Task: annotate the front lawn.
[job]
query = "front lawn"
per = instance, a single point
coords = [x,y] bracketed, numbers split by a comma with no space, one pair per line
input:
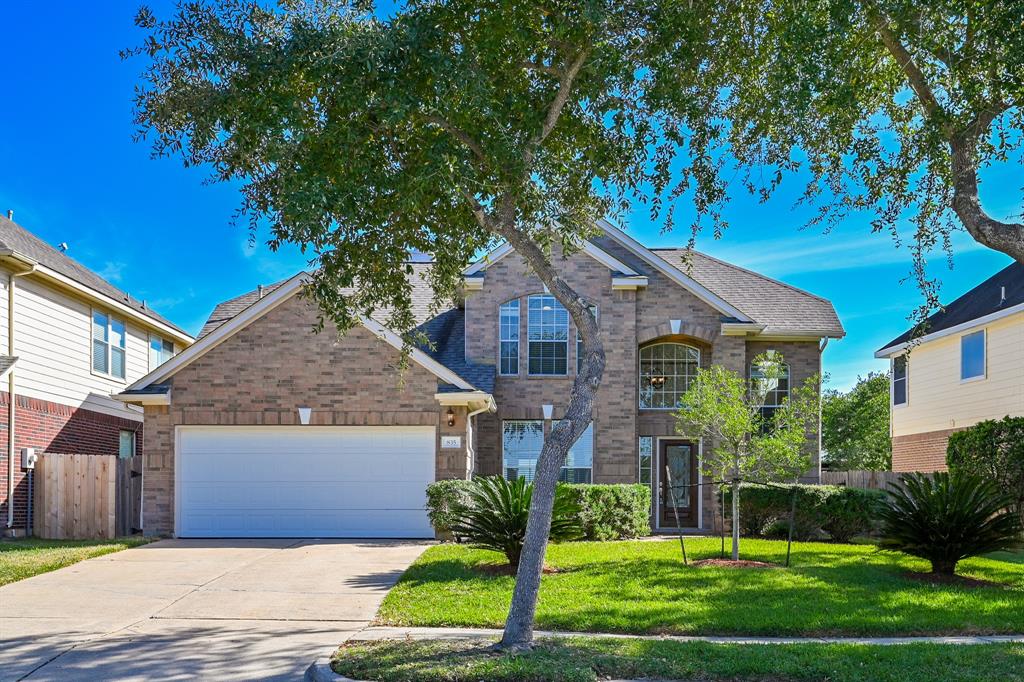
[642,587]
[24,558]
[583,659]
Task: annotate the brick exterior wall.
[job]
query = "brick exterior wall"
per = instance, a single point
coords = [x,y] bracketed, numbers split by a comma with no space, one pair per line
[262,374]
[52,427]
[924,452]
[628,320]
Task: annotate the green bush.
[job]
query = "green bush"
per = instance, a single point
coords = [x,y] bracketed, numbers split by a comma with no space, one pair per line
[946,517]
[993,450]
[496,518]
[612,512]
[606,512]
[841,512]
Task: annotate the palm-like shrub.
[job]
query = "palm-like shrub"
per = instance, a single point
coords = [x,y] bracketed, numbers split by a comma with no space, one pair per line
[497,513]
[945,518]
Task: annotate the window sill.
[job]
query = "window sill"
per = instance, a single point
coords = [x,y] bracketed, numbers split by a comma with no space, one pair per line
[971,380]
[108,377]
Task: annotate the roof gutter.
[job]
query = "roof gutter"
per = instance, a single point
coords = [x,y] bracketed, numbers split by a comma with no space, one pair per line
[143,399]
[899,348]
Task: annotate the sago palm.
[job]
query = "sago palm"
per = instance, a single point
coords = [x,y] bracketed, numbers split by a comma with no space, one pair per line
[945,518]
[497,514]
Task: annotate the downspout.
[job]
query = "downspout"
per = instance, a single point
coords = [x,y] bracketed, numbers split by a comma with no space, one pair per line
[11,395]
[469,433]
[821,350]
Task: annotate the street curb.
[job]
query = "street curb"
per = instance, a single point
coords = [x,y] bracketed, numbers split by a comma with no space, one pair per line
[320,671]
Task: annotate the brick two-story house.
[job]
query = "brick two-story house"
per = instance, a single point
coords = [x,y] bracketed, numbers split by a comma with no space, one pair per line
[264,428]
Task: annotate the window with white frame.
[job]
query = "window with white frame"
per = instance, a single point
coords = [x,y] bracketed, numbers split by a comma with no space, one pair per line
[508,323]
[522,441]
[666,370]
[108,345]
[899,380]
[776,392]
[579,342]
[547,331]
[972,355]
[646,459]
[160,351]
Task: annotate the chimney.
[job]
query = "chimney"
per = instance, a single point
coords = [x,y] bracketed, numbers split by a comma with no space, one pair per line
[10,214]
[259,288]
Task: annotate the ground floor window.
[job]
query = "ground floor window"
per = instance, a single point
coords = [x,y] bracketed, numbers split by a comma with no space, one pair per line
[522,440]
[646,458]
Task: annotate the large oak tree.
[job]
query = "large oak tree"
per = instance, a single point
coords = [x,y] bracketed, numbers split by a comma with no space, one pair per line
[441,129]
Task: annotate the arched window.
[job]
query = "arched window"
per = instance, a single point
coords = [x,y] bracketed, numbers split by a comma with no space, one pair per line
[776,393]
[666,370]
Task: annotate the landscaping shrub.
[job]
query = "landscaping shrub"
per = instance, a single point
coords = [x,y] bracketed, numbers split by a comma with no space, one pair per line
[946,517]
[993,450]
[841,512]
[606,512]
[496,518]
[612,512]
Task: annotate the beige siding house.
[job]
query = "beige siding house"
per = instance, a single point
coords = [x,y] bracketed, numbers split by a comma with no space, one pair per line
[964,366]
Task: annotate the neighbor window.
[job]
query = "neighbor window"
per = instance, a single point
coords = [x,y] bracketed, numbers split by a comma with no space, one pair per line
[108,345]
[160,351]
[899,380]
[508,321]
[579,342]
[522,441]
[547,336]
[646,458]
[126,445]
[776,393]
[666,370]
[972,355]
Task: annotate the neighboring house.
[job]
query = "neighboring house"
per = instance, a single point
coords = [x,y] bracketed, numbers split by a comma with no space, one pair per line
[264,428]
[68,340]
[964,364]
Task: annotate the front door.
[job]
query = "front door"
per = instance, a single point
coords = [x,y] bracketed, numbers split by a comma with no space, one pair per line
[677,471]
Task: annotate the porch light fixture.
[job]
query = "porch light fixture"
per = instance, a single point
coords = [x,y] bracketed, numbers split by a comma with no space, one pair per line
[657,381]
[304,413]
[451,416]
[549,411]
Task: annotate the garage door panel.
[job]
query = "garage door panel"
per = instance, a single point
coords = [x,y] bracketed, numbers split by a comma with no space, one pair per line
[304,481]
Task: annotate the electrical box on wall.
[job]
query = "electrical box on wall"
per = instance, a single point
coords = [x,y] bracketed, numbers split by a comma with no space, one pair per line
[29,458]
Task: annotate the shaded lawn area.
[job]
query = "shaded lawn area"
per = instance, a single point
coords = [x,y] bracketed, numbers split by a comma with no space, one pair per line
[643,588]
[24,558]
[582,659]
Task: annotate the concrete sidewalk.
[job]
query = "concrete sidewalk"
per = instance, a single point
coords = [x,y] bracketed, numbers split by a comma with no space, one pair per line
[197,609]
[381,633]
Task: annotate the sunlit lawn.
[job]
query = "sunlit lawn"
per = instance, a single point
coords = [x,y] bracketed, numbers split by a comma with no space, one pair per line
[24,558]
[642,587]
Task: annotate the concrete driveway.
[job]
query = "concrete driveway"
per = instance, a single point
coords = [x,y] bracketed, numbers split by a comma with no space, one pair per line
[197,609]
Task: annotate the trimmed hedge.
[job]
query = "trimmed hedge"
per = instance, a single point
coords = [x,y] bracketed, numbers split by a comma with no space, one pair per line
[841,512]
[992,450]
[607,512]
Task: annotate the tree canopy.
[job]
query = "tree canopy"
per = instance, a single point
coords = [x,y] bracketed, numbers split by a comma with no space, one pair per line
[855,425]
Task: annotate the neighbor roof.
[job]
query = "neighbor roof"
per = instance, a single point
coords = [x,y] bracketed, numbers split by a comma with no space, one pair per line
[981,301]
[780,307]
[16,238]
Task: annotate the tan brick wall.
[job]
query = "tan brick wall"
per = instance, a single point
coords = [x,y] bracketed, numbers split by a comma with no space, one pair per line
[924,452]
[276,364]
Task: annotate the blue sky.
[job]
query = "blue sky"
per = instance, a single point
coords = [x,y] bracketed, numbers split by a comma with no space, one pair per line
[72,173]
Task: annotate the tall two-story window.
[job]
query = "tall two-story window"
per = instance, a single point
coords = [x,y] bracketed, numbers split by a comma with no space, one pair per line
[508,323]
[972,356]
[108,345]
[776,393]
[160,351]
[522,440]
[899,380]
[666,370]
[547,336]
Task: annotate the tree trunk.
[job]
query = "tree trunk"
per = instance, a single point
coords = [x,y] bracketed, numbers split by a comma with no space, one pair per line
[735,519]
[518,633]
[943,566]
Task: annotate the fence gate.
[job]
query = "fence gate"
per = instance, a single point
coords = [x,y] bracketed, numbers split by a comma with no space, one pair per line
[129,495]
[74,497]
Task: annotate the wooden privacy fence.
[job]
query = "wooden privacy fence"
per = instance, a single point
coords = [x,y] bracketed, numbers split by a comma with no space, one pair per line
[75,497]
[877,480]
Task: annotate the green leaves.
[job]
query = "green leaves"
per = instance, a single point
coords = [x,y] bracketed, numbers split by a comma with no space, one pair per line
[855,425]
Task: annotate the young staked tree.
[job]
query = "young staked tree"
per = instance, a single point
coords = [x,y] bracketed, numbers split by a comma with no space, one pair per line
[745,441]
[442,128]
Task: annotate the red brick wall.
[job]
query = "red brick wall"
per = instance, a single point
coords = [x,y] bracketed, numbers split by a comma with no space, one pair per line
[924,452]
[52,427]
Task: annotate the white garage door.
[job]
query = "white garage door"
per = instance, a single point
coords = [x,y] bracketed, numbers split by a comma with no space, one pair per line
[305,481]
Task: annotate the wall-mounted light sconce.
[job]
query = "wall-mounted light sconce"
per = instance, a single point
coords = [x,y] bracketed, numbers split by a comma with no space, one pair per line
[304,413]
[549,410]
[451,416]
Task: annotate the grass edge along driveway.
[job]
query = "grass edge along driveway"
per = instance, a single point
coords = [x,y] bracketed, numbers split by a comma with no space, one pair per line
[641,587]
[582,659]
[25,557]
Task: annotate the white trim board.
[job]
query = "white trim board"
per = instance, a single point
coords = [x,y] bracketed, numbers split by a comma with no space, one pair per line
[898,348]
[595,252]
[261,308]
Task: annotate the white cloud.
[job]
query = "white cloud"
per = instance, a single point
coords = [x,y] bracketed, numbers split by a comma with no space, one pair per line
[112,271]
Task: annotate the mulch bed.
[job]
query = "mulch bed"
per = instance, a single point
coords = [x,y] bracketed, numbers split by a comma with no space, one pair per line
[729,563]
[955,580]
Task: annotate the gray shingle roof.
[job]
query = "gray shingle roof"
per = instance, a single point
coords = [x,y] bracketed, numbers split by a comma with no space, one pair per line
[783,308]
[18,239]
[982,300]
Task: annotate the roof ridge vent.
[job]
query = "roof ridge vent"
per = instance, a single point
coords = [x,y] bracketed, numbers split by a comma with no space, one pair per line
[10,214]
[1002,296]
[259,288]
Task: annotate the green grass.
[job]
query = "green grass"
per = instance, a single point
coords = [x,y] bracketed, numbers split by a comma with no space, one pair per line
[643,588]
[589,659]
[20,559]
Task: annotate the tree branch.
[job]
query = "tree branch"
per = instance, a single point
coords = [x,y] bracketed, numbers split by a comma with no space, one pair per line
[460,135]
[565,84]
[916,78]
